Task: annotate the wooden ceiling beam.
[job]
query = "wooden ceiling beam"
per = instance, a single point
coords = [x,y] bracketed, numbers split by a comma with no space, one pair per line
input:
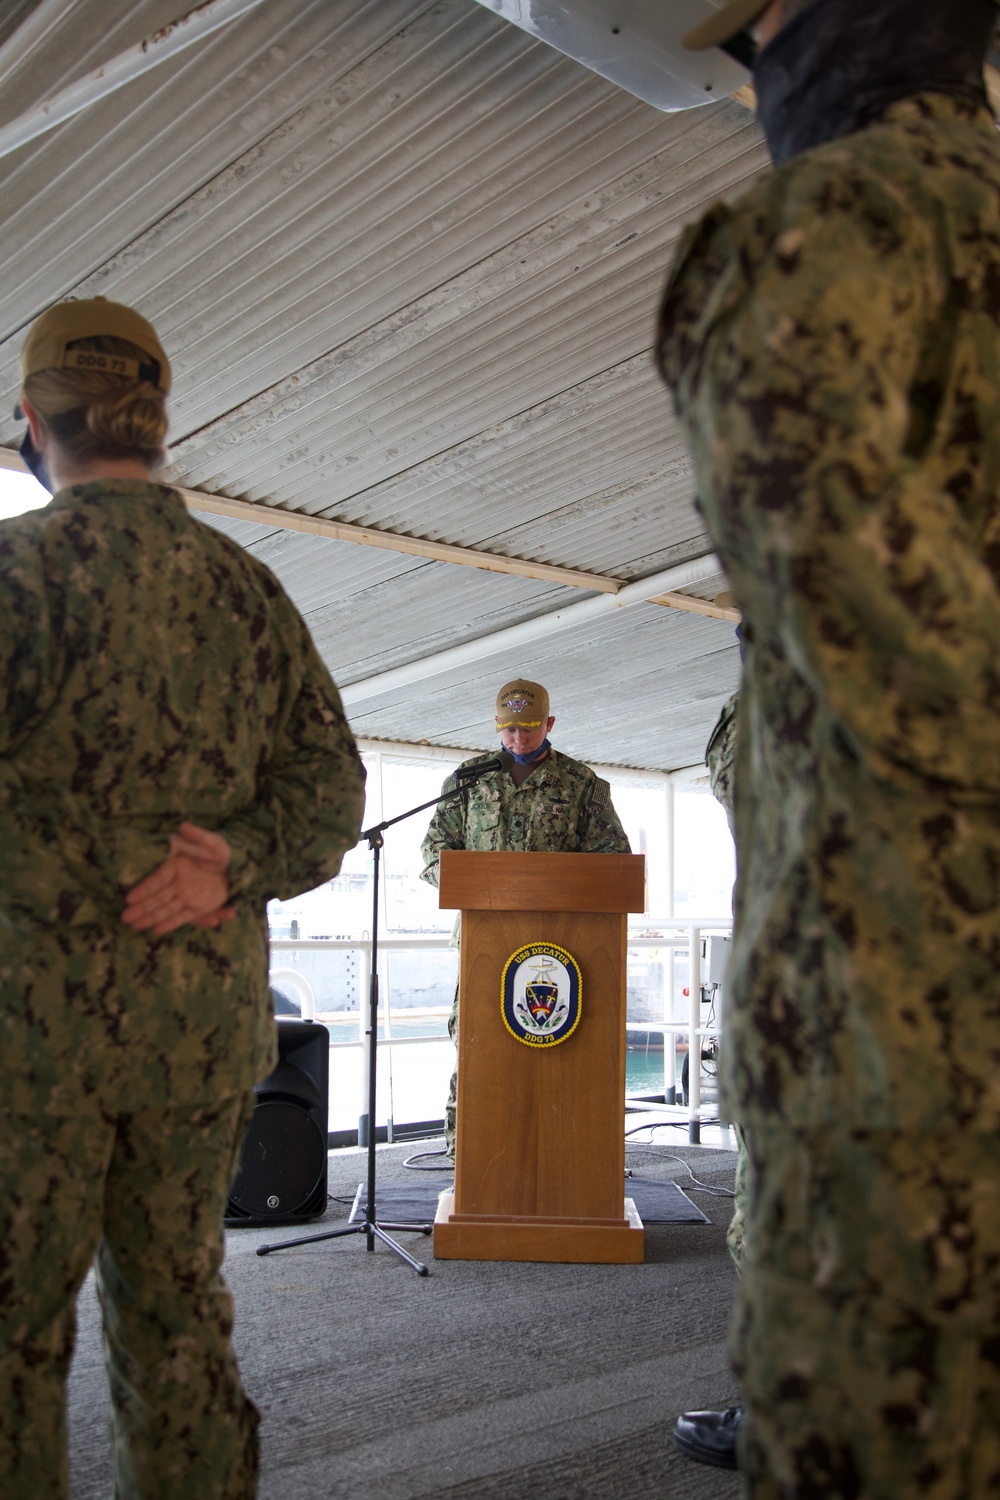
[412,546]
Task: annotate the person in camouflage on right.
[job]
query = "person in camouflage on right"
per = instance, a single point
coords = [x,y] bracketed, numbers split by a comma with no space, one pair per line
[832,343]
[720,758]
[710,1437]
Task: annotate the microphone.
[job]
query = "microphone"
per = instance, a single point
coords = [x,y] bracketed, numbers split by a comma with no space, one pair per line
[500,762]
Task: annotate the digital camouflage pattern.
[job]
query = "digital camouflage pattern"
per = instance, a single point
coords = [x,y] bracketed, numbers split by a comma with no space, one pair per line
[736,1233]
[833,345]
[152,1213]
[150,670]
[720,757]
[869,1360]
[191,685]
[563,807]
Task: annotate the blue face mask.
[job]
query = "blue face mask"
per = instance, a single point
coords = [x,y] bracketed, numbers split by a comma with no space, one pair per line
[532,755]
[36,463]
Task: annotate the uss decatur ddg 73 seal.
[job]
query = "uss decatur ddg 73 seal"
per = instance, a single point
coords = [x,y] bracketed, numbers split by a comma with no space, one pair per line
[540,993]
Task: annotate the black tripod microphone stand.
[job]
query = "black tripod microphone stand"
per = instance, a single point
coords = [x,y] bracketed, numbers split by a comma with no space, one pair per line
[369,1225]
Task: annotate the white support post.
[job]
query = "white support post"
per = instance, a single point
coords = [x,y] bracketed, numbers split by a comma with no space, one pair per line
[669,840]
[694,1036]
[385,1009]
[364,1118]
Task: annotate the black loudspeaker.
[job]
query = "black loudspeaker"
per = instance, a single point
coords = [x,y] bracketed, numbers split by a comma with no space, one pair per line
[282,1175]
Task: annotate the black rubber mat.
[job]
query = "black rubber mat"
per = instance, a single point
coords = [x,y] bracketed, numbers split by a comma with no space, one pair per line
[416,1203]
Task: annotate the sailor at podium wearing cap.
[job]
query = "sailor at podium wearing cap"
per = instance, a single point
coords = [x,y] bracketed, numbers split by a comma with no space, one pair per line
[545,802]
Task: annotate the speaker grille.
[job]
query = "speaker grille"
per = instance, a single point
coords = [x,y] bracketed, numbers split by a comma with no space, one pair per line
[283,1165]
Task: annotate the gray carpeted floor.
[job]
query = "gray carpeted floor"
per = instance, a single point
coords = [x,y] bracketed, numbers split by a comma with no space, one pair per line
[484,1381]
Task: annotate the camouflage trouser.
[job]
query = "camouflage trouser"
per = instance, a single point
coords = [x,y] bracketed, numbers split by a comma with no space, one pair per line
[145,1191]
[867,1330]
[737,1224]
[125,1071]
[451,1106]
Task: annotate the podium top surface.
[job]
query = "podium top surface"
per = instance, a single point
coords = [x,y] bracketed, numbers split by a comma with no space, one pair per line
[474,881]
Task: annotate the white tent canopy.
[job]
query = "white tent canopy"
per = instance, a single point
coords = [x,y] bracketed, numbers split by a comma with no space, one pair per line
[406,260]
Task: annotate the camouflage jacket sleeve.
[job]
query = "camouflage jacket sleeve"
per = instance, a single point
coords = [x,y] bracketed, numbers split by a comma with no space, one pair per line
[123,711]
[600,827]
[446,831]
[806,337]
[28,665]
[310,794]
[720,756]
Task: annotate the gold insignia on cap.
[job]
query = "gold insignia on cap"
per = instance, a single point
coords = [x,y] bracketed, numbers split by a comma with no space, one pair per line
[522,705]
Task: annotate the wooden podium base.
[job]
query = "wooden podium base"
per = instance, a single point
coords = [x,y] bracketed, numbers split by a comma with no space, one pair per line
[577,1241]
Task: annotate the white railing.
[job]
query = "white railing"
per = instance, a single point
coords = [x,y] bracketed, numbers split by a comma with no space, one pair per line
[435,943]
[675,932]
[689,936]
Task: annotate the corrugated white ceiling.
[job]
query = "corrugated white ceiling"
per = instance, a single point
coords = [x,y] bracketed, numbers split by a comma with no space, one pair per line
[406,261]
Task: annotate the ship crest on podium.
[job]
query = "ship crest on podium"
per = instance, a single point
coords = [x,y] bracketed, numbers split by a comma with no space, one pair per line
[540,994]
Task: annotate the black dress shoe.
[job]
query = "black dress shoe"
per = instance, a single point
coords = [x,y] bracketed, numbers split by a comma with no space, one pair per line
[709,1437]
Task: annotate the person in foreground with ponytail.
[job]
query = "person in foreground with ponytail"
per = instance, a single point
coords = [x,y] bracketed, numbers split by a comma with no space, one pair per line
[172,753]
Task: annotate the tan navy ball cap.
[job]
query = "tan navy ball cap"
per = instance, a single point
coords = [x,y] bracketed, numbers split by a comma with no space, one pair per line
[724,25]
[46,347]
[522,705]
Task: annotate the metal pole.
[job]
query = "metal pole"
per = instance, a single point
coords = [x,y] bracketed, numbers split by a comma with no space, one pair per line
[32,32]
[694,1040]
[515,637]
[669,1053]
[376,843]
[130,64]
[364,988]
[387,1044]
[669,820]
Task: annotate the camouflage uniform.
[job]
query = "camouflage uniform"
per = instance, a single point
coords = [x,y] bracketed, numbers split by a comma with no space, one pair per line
[720,757]
[833,346]
[562,807]
[151,671]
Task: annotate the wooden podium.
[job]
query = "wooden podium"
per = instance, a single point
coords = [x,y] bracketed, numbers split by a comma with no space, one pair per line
[540,1155]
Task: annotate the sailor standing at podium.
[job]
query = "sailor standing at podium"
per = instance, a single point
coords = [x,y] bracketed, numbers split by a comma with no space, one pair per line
[545,803]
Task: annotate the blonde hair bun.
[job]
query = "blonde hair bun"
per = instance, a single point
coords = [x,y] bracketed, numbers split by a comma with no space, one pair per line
[92,413]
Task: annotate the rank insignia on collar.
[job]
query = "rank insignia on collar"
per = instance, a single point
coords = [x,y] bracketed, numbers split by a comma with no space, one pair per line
[540,992]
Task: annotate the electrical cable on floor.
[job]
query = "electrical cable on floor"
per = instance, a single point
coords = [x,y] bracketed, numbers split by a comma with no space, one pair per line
[422,1156]
[696,1185]
[659,1155]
